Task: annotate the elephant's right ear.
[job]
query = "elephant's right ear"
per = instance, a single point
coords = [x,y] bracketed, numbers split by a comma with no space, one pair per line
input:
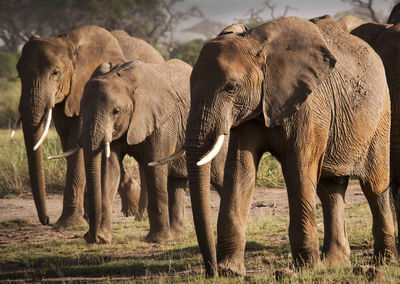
[295,60]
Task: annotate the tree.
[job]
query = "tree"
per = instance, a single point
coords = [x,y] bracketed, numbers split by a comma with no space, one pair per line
[188,51]
[255,17]
[365,9]
[153,20]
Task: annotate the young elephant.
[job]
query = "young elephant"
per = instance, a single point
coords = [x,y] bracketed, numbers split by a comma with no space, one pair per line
[140,109]
[317,99]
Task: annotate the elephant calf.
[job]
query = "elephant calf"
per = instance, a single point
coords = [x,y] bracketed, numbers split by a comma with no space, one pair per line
[139,109]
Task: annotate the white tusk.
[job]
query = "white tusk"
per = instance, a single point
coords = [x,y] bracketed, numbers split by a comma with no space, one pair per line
[15,126]
[107,149]
[46,129]
[65,154]
[168,159]
[213,152]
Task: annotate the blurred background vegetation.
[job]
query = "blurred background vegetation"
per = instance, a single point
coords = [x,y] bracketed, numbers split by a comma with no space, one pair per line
[155,21]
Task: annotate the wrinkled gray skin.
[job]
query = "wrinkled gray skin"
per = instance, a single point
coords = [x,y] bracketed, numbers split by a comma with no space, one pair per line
[53,73]
[142,109]
[385,40]
[346,23]
[317,99]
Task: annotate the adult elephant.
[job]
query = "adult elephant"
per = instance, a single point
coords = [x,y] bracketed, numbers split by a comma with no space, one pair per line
[317,99]
[139,109]
[385,39]
[53,73]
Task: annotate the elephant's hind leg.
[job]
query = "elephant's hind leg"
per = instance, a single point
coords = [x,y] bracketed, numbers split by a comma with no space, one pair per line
[331,192]
[382,228]
[129,191]
[176,205]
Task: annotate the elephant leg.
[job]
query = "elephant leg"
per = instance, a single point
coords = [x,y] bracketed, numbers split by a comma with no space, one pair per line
[236,195]
[301,181]
[110,180]
[72,213]
[129,191]
[395,202]
[157,180]
[176,205]
[382,222]
[143,194]
[331,192]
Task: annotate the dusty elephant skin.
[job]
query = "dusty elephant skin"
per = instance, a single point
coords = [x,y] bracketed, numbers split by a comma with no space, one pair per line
[317,99]
[139,109]
[384,39]
[53,73]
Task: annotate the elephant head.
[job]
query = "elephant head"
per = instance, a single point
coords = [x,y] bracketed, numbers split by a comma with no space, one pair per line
[346,23]
[129,102]
[394,17]
[265,73]
[54,71]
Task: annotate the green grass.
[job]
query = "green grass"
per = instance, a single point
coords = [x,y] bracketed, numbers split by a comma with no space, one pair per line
[14,175]
[10,91]
[130,257]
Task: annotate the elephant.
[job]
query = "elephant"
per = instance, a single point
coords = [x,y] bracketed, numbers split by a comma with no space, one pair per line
[317,99]
[394,17]
[53,72]
[384,38]
[346,23]
[139,109]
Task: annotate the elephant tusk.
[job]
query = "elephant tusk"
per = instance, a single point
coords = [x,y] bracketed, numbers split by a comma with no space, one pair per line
[46,129]
[107,149]
[168,159]
[17,122]
[213,152]
[65,154]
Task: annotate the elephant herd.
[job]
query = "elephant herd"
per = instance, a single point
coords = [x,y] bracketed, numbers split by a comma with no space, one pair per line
[319,95]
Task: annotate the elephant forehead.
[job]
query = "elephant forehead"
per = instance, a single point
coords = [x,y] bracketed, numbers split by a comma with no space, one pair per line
[222,59]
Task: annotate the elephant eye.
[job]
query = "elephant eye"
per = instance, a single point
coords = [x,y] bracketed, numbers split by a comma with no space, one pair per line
[115,111]
[56,73]
[231,87]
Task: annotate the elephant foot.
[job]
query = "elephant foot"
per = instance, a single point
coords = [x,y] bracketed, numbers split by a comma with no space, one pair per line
[70,220]
[306,258]
[231,268]
[129,191]
[386,254]
[177,229]
[99,238]
[336,256]
[141,216]
[158,237]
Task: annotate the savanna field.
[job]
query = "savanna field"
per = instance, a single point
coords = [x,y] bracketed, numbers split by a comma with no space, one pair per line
[31,251]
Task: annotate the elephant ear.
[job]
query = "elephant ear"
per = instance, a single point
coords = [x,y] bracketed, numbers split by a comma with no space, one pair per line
[154,100]
[89,47]
[369,32]
[295,59]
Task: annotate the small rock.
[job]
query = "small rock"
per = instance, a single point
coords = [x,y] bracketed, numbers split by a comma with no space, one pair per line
[284,238]
[284,273]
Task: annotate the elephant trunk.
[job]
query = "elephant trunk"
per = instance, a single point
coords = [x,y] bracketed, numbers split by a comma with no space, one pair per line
[93,185]
[199,184]
[32,117]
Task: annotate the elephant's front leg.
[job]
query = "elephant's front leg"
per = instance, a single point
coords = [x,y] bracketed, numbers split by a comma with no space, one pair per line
[176,205]
[236,195]
[157,179]
[72,213]
[336,250]
[301,177]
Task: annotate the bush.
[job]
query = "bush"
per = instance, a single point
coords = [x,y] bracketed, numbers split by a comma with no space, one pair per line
[10,91]
[188,51]
[8,62]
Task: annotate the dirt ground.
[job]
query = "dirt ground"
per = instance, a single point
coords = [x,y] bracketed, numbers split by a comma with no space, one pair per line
[267,202]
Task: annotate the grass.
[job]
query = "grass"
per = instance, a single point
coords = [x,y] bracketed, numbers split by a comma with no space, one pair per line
[14,175]
[129,257]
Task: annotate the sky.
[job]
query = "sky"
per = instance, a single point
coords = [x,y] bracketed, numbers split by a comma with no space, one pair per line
[226,11]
